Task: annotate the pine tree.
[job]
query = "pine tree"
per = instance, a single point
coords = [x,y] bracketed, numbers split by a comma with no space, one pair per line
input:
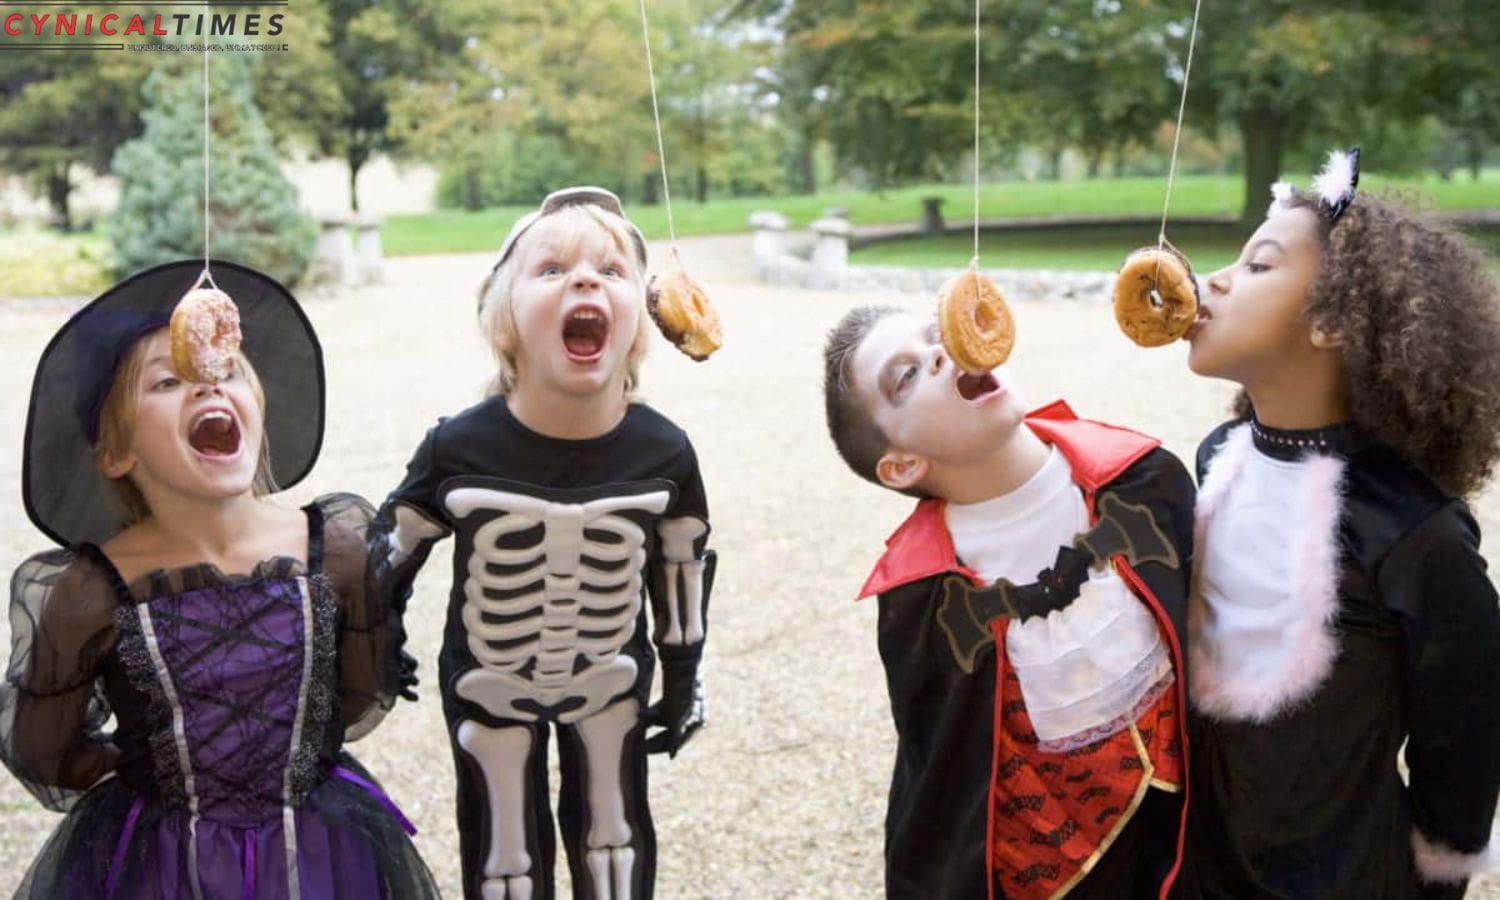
[253,207]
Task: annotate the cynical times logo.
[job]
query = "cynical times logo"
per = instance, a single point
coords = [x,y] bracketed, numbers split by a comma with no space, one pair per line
[84,30]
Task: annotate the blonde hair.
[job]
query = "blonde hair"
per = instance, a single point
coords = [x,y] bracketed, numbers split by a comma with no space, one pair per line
[497,321]
[117,431]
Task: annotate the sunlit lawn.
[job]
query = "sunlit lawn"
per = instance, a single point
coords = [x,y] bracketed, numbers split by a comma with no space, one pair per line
[35,263]
[456,231]
[1082,247]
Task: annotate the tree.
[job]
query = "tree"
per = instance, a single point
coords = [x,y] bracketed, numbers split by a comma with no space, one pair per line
[65,109]
[568,79]
[377,47]
[893,83]
[707,87]
[1468,71]
[1280,70]
[253,207]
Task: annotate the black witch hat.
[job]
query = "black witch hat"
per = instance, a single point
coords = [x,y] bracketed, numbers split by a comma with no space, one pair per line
[66,496]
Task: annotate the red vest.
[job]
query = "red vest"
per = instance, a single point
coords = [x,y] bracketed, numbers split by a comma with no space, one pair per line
[1051,815]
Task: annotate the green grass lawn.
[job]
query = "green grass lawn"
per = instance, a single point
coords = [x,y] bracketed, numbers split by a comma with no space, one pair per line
[1099,248]
[456,231]
[46,264]
[1080,248]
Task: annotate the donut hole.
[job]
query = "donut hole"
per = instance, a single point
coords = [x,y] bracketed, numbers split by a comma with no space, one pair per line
[1154,295]
[984,317]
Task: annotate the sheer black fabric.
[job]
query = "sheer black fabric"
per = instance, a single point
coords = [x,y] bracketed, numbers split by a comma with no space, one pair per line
[232,697]
[53,711]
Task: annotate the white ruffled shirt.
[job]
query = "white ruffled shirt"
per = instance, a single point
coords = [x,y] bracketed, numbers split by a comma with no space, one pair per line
[1086,671]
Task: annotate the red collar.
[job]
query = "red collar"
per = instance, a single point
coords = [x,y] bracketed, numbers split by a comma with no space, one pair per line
[1098,453]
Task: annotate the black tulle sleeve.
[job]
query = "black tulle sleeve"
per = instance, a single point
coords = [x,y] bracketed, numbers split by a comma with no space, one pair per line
[52,706]
[368,661]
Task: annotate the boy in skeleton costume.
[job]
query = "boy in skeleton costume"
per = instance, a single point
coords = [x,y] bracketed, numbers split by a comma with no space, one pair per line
[1029,613]
[1340,606]
[569,503]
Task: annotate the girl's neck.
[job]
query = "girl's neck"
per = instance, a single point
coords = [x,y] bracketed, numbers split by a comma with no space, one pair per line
[1302,393]
[1011,465]
[567,416]
[1292,409]
[233,534]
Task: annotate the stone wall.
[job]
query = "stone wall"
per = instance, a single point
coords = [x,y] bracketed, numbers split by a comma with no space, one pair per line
[822,261]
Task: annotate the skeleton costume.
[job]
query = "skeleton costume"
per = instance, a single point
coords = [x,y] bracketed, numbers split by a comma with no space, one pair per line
[1040,745]
[559,543]
[231,695]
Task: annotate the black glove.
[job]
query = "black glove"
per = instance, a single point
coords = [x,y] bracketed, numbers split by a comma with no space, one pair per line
[679,712]
[407,678]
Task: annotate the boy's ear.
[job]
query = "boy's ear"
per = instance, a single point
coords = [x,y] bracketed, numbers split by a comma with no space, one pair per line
[899,470]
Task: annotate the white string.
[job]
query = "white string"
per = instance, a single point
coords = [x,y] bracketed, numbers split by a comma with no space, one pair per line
[1187,71]
[661,150]
[974,263]
[205,274]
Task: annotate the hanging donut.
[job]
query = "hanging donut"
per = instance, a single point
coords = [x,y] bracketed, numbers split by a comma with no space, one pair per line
[683,313]
[205,331]
[975,323]
[1156,296]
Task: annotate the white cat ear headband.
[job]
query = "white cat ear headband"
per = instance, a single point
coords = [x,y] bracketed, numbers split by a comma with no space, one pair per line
[1335,185]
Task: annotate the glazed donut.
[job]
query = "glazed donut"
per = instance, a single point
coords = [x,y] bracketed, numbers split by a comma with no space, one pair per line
[205,334]
[1159,320]
[684,315]
[975,322]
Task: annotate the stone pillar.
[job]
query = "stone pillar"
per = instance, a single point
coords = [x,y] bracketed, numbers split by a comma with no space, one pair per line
[830,255]
[766,249]
[370,255]
[932,216]
[335,261]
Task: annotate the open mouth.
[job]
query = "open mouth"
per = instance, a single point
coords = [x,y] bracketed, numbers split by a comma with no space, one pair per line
[977,387]
[215,433]
[584,333]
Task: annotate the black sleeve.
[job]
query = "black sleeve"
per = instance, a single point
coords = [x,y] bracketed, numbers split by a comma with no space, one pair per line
[1161,483]
[692,500]
[407,526]
[369,661]
[52,710]
[398,542]
[1435,578]
[680,579]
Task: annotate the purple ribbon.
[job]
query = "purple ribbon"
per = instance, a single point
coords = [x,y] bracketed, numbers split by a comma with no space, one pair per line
[117,862]
[247,879]
[379,795]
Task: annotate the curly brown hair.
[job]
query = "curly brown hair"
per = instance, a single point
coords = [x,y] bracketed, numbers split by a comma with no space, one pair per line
[1419,318]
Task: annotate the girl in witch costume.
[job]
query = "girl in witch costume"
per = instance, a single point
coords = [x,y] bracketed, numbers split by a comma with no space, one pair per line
[232,640]
[570,502]
[1341,606]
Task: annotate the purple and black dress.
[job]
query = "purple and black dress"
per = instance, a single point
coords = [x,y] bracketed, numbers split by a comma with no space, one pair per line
[231,696]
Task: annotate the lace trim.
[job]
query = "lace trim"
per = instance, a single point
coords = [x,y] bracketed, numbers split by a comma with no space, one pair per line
[1114,726]
[141,672]
[319,716]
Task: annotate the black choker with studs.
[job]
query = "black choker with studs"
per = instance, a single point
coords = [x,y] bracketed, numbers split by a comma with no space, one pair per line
[1290,444]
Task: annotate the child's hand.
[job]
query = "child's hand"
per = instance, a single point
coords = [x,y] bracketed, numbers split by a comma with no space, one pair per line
[679,712]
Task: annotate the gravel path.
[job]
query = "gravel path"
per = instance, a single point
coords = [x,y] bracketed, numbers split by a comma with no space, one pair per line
[783,794]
